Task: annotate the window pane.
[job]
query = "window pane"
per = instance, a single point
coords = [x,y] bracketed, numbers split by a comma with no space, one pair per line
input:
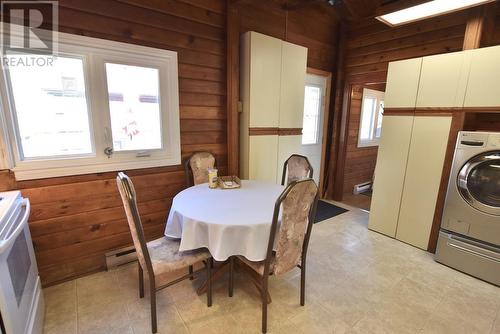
[312,107]
[378,130]
[51,108]
[367,118]
[134,107]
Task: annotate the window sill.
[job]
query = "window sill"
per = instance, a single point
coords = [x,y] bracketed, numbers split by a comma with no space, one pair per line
[26,173]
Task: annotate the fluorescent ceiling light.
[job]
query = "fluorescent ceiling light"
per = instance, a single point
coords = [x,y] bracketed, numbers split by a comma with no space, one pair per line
[427,10]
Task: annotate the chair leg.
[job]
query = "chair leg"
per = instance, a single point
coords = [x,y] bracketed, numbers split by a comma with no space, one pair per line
[231,276]
[152,290]
[302,283]
[191,273]
[209,264]
[264,303]
[141,281]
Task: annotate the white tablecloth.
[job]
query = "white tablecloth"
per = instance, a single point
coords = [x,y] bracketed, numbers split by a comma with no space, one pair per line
[227,222]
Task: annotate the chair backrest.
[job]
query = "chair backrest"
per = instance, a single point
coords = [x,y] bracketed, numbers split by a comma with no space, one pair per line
[127,193]
[297,167]
[197,165]
[298,209]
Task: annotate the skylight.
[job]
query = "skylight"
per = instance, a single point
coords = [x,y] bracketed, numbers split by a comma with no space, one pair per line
[427,10]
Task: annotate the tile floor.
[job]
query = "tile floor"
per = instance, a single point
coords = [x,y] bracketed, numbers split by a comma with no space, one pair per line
[358,282]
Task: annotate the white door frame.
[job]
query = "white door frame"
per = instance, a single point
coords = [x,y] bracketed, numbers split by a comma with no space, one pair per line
[324,130]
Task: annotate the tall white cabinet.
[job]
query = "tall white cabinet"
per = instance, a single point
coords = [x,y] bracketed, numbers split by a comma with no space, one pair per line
[272,83]
[411,151]
[421,95]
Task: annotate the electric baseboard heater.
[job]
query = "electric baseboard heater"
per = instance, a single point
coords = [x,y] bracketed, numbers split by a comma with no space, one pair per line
[362,187]
[120,256]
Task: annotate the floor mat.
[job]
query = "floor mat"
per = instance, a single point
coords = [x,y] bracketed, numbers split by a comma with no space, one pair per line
[326,210]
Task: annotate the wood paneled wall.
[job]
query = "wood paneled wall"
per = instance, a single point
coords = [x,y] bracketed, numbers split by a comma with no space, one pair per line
[76,220]
[314,27]
[372,45]
[360,161]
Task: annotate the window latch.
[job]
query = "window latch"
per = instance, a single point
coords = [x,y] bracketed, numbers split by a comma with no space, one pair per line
[108,151]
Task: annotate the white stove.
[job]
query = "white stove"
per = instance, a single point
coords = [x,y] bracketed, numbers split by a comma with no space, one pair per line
[21,299]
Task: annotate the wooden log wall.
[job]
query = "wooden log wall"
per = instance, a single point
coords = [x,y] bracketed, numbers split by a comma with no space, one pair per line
[76,220]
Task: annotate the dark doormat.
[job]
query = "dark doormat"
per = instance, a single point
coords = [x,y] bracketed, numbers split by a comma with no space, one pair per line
[326,210]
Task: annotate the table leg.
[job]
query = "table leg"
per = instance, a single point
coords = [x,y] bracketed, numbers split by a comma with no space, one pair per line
[216,274]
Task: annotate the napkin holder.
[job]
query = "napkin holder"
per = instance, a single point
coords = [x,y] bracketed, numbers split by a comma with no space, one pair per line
[229,182]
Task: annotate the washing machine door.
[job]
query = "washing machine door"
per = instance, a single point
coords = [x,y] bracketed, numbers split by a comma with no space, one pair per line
[479,182]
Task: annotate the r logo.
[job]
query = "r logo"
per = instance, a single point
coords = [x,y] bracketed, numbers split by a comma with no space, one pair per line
[29,26]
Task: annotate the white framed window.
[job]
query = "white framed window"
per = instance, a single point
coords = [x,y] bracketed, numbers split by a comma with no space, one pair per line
[312,115]
[99,106]
[370,123]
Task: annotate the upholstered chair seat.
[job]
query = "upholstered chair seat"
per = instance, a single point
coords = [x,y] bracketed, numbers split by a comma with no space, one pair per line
[258,266]
[165,256]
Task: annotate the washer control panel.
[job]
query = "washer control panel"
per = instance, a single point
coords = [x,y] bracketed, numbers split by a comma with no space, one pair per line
[494,141]
[472,139]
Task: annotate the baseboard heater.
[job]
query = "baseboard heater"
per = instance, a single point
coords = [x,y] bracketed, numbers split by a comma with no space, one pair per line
[362,187]
[120,256]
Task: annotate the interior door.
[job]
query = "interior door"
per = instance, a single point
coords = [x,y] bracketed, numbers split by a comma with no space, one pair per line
[312,128]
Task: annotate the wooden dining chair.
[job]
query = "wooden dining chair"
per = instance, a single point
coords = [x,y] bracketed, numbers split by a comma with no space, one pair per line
[296,167]
[298,207]
[196,167]
[161,255]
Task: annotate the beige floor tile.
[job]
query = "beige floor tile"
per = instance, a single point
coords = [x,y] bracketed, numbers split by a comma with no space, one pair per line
[60,308]
[357,281]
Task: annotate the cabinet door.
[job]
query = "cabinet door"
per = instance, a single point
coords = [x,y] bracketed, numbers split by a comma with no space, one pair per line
[264,84]
[287,145]
[263,154]
[293,80]
[402,83]
[484,78]
[443,80]
[423,177]
[390,173]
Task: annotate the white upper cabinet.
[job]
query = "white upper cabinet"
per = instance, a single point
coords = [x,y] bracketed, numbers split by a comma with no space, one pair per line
[443,80]
[293,81]
[264,63]
[483,89]
[402,83]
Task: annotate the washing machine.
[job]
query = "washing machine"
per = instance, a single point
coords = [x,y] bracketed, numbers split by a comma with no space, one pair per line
[469,239]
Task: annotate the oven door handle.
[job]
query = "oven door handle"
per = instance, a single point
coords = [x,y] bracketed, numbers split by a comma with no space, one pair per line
[11,237]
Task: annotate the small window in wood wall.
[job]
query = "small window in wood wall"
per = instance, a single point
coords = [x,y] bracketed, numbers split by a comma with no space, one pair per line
[370,123]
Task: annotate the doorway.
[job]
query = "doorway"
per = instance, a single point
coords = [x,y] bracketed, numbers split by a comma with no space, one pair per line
[363,123]
[315,120]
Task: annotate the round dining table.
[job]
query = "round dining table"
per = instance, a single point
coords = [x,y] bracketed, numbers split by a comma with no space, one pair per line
[227,222]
